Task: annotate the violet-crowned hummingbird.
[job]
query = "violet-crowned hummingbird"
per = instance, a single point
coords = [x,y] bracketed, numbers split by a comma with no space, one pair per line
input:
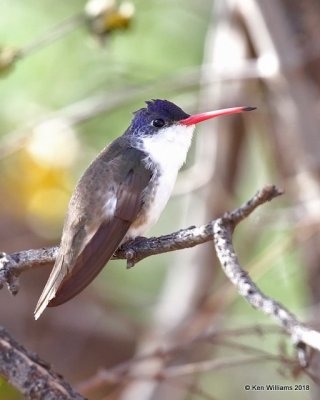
[121,194]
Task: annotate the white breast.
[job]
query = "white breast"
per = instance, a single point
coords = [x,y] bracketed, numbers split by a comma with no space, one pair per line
[168,150]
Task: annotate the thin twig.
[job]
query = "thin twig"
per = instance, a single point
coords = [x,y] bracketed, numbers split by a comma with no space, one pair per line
[121,371]
[175,371]
[11,266]
[52,35]
[223,230]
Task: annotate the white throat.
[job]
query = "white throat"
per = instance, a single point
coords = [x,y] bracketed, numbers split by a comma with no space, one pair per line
[168,150]
[169,147]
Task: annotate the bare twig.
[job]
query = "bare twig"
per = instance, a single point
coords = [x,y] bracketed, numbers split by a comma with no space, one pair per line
[52,35]
[31,375]
[223,229]
[128,370]
[175,371]
[11,266]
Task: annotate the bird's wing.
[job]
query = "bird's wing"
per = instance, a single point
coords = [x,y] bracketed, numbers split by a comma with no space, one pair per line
[68,278]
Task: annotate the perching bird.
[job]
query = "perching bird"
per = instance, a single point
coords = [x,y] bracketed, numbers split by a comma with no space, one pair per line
[121,194]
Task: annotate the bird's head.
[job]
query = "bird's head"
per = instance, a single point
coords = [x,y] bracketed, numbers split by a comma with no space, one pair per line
[162,114]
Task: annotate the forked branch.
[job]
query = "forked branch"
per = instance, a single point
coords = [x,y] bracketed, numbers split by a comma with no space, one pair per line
[220,230]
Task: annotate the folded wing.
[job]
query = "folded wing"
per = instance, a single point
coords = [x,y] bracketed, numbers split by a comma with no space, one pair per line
[68,279]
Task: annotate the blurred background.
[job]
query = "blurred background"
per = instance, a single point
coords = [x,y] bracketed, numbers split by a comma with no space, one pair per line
[71,75]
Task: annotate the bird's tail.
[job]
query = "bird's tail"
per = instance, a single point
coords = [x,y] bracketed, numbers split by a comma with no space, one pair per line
[50,289]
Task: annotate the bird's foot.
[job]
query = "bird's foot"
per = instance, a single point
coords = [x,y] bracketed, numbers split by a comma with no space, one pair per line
[128,248]
[139,239]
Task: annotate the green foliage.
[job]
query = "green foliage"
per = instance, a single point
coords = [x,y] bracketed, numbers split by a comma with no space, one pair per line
[7,392]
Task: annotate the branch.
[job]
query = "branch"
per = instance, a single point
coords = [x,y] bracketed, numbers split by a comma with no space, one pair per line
[29,374]
[301,335]
[11,266]
[14,358]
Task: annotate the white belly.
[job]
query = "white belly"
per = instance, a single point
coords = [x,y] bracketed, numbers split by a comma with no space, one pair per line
[169,151]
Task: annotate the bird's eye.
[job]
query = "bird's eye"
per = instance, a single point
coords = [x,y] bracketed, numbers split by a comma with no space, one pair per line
[158,123]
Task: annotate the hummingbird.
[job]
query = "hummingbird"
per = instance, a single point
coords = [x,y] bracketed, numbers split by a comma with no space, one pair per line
[121,194]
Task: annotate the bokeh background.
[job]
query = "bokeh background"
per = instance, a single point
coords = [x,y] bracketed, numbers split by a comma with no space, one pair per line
[69,85]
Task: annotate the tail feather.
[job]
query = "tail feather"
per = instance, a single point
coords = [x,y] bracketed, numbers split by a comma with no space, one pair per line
[91,260]
[66,281]
[50,289]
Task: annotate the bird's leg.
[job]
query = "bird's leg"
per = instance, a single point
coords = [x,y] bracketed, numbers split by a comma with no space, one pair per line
[128,248]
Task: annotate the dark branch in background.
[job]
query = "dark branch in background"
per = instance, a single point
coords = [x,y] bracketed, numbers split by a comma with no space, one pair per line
[31,375]
[221,338]
[129,370]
